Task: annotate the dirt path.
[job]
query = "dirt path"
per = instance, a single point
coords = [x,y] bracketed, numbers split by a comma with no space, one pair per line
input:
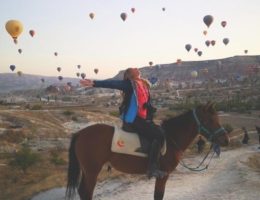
[228,178]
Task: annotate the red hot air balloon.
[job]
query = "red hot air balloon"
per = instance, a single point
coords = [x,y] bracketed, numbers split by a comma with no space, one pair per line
[208,19]
[225,41]
[246,51]
[32,32]
[207,43]
[20,51]
[199,53]
[123,16]
[188,47]
[58,69]
[213,42]
[178,61]
[83,75]
[55,54]
[132,10]
[223,24]
[12,67]
[196,49]
[96,70]
[91,15]
[205,32]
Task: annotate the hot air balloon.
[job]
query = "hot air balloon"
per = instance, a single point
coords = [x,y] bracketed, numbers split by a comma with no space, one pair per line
[19,73]
[178,61]
[58,69]
[96,70]
[60,78]
[132,10]
[42,80]
[12,67]
[208,19]
[207,43]
[188,47]
[213,42]
[14,28]
[196,49]
[78,66]
[205,32]
[123,16]
[150,63]
[223,23]
[32,32]
[55,54]
[20,51]
[225,41]
[199,53]
[83,75]
[163,9]
[246,51]
[91,15]
[77,74]
[194,74]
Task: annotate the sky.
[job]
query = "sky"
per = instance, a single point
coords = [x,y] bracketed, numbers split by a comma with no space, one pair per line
[111,44]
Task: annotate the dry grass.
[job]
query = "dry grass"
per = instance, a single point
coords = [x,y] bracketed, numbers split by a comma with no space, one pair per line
[254,162]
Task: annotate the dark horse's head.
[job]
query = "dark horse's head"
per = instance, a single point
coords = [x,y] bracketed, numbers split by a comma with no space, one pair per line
[208,124]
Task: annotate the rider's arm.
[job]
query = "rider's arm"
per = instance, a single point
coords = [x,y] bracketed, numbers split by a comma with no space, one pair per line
[124,85]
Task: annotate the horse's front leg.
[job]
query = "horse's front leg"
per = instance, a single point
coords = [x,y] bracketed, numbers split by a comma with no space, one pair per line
[160,187]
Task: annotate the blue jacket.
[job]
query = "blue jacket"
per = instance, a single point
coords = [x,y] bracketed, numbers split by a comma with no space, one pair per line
[130,113]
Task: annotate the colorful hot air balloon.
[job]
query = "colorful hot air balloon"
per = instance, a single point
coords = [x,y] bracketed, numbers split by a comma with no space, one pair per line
[77,74]
[205,32]
[208,19]
[55,54]
[58,69]
[123,16]
[199,53]
[150,63]
[194,74]
[19,73]
[12,67]
[245,51]
[223,24]
[20,51]
[196,49]
[91,15]
[78,66]
[207,43]
[14,28]
[213,42]
[188,47]
[132,10]
[60,78]
[32,32]
[83,75]
[96,70]
[225,41]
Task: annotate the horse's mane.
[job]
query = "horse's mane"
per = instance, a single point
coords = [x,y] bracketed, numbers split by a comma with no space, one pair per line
[176,121]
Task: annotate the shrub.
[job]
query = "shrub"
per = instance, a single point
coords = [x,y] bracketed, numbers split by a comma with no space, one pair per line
[56,159]
[68,113]
[74,118]
[114,113]
[36,107]
[25,158]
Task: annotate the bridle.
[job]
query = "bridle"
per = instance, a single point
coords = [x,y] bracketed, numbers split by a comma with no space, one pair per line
[210,135]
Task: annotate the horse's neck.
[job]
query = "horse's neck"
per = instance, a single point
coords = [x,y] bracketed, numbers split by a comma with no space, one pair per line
[184,135]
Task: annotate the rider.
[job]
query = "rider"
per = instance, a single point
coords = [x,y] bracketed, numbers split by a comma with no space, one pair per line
[134,112]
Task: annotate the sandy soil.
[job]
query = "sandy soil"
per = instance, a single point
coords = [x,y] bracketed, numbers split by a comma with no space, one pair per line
[228,178]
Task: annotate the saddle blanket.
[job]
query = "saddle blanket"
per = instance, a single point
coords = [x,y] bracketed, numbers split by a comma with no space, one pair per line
[127,143]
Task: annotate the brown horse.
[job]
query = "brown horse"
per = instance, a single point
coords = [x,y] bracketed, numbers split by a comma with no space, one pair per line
[91,148]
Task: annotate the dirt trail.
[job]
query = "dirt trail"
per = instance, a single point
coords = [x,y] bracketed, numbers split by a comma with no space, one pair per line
[228,178]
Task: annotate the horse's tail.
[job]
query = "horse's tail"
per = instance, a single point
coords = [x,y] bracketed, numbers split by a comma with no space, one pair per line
[73,170]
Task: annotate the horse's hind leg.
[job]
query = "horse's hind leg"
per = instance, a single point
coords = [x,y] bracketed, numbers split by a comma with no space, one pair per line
[88,183]
[160,188]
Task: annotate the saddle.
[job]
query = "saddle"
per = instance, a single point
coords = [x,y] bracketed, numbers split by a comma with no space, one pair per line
[127,141]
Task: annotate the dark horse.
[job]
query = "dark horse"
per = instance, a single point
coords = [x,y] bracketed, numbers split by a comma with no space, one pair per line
[91,148]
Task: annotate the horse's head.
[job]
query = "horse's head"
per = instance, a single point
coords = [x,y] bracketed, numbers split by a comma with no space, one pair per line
[208,124]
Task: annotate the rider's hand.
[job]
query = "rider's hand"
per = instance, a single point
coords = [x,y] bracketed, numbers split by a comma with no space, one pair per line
[87,83]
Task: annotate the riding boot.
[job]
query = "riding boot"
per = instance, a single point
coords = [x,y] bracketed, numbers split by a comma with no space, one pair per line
[153,165]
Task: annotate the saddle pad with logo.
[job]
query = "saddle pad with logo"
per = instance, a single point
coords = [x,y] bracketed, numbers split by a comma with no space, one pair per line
[128,143]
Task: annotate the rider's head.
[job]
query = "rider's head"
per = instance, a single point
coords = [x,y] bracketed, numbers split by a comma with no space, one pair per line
[131,74]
